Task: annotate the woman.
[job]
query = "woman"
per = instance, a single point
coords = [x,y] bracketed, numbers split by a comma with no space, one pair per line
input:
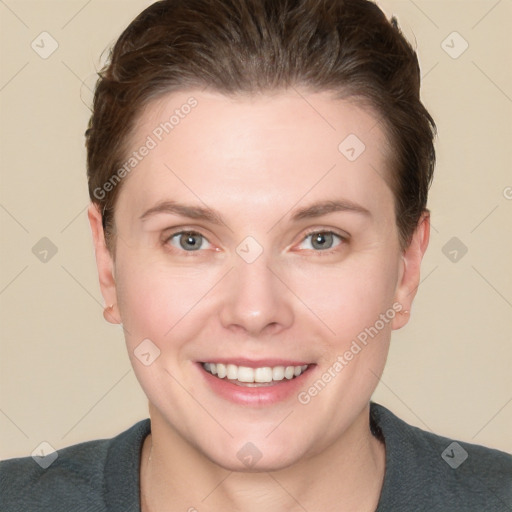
[258,172]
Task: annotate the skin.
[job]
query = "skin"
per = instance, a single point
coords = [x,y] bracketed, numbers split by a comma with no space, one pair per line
[256,161]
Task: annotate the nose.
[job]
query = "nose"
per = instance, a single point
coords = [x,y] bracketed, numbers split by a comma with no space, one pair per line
[256,301]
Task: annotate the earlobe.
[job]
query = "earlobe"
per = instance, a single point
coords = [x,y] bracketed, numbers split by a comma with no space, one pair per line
[109,314]
[409,278]
[105,266]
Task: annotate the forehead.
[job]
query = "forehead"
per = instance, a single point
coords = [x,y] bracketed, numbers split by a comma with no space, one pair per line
[269,148]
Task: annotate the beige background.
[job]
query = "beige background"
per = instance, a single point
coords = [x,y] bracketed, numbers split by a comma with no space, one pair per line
[65,376]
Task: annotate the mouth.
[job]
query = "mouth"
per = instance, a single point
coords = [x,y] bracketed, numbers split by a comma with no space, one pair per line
[256,383]
[259,376]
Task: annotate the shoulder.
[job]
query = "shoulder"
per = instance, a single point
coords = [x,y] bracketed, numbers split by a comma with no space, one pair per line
[41,483]
[76,478]
[435,473]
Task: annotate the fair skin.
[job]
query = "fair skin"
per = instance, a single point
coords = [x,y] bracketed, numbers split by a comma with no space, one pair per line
[257,161]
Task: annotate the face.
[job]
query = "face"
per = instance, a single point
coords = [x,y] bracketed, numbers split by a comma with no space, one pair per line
[257,242]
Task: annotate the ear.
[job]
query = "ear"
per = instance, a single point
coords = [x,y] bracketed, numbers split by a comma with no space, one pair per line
[409,277]
[105,265]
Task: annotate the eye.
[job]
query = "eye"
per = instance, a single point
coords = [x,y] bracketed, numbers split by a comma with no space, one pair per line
[188,241]
[321,240]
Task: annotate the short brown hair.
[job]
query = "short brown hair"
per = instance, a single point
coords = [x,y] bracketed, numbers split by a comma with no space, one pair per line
[249,46]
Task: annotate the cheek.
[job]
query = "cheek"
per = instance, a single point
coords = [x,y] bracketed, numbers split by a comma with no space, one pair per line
[350,296]
[155,298]
[139,295]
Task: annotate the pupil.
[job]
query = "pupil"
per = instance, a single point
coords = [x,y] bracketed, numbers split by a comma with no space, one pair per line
[322,240]
[189,241]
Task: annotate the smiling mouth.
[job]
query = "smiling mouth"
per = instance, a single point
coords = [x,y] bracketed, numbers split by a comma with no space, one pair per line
[254,377]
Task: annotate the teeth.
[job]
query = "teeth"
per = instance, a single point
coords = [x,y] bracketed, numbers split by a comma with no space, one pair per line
[251,375]
[278,373]
[262,374]
[289,372]
[245,374]
[221,371]
[232,371]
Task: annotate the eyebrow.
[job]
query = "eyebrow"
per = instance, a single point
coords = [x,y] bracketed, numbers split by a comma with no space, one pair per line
[324,207]
[185,210]
[207,214]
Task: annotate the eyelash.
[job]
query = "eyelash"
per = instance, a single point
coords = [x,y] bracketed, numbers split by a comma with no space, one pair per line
[343,240]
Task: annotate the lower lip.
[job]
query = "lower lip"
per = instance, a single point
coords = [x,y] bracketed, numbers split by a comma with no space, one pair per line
[274,393]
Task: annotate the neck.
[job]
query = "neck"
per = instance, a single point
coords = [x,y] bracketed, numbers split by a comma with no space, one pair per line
[347,476]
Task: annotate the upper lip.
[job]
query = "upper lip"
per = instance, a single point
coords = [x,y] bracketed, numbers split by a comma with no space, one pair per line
[257,363]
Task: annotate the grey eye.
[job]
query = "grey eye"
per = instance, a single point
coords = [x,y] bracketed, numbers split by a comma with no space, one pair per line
[188,241]
[322,240]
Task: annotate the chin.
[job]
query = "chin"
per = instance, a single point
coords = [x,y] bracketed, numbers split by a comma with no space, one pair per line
[241,454]
[253,460]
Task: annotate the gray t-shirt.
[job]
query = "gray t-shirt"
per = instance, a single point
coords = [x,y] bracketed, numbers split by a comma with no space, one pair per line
[424,473]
